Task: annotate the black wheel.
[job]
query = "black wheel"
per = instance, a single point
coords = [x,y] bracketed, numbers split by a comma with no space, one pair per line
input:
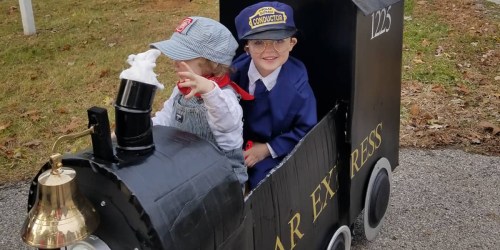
[341,240]
[377,198]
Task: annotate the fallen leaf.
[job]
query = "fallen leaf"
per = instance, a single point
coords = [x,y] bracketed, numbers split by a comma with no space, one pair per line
[490,127]
[414,110]
[418,61]
[425,43]
[108,100]
[72,126]
[8,153]
[29,113]
[32,144]
[428,116]
[35,118]
[439,51]
[497,78]
[62,111]
[66,47]
[104,73]
[463,89]
[12,10]
[438,89]
[436,126]
[475,141]
[5,125]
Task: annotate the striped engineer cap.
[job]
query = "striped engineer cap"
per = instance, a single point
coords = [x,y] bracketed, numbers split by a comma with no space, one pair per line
[199,37]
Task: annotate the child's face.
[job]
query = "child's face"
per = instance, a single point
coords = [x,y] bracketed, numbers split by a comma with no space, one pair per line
[268,55]
[198,65]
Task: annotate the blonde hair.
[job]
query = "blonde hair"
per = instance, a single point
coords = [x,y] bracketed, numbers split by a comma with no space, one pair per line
[213,68]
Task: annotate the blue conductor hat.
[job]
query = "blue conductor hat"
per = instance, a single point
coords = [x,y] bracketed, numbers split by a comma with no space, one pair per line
[265,20]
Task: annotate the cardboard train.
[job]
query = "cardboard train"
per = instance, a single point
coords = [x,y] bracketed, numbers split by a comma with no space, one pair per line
[161,188]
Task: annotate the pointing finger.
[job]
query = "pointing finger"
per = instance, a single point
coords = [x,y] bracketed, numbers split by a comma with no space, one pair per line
[185,67]
[186,75]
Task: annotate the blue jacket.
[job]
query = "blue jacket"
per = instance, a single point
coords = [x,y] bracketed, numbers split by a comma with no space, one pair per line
[282,117]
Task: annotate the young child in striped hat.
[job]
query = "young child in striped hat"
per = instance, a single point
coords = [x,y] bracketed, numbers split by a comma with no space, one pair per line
[205,101]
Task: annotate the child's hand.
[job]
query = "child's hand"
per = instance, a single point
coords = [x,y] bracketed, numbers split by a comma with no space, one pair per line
[198,84]
[256,153]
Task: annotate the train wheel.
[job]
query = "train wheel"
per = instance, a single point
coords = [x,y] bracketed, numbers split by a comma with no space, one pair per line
[341,240]
[377,198]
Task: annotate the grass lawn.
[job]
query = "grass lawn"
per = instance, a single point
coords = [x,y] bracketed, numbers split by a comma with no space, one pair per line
[49,80]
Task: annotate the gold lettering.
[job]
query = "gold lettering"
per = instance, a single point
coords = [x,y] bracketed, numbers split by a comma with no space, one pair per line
[326,183]
[315,202]
[378,135]
[267,19]
[294,229]
[278,244]
[372,143]
[354,162]
[367,147]
[363,151]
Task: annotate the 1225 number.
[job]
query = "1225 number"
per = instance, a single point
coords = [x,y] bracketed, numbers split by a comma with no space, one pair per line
[381,22]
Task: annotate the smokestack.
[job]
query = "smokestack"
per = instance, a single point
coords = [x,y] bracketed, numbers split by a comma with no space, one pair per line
[134,101]
[133,116]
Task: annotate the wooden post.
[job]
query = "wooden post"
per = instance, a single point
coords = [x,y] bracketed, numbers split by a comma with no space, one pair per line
[27,16]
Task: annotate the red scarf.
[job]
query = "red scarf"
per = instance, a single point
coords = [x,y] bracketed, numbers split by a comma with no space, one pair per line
[221,81]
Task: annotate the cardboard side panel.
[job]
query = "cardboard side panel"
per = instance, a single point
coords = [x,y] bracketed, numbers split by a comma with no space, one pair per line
[376,96]
[297,206]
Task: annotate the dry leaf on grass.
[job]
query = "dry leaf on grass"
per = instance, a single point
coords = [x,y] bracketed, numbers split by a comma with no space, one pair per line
[32,144]
[438,89]
[104,73]
[418,61]
[72,126]
[462,89]
[5,125]
[62,111]
[30,113]
[108,100]
[490,127]
[414,110]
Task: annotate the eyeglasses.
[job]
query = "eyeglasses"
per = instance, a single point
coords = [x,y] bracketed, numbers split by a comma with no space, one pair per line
[259,46]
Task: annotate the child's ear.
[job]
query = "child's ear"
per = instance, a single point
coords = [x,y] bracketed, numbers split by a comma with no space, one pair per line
[293,42]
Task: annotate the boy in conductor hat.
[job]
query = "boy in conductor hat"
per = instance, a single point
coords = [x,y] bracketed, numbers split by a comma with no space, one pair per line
[284,106]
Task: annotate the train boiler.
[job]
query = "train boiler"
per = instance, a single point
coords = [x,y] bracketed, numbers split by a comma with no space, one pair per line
[161,188]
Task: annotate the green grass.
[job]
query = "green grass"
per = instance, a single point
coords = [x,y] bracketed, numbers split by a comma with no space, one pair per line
[422,37]
[50,79]
[73,63]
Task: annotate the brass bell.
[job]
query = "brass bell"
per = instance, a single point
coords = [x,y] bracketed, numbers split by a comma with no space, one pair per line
[61,215]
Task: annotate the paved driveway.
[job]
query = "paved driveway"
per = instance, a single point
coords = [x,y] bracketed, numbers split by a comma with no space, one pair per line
[441,199]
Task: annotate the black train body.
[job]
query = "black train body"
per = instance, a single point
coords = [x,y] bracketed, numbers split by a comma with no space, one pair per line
[183,194]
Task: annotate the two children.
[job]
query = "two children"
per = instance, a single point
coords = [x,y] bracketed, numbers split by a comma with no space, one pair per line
[205,101]
[284,108]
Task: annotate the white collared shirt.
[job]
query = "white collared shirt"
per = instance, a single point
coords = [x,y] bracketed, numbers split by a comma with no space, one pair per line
[269,81]
[254,75]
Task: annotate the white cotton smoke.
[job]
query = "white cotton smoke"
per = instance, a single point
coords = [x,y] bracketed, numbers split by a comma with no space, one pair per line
[141,68]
